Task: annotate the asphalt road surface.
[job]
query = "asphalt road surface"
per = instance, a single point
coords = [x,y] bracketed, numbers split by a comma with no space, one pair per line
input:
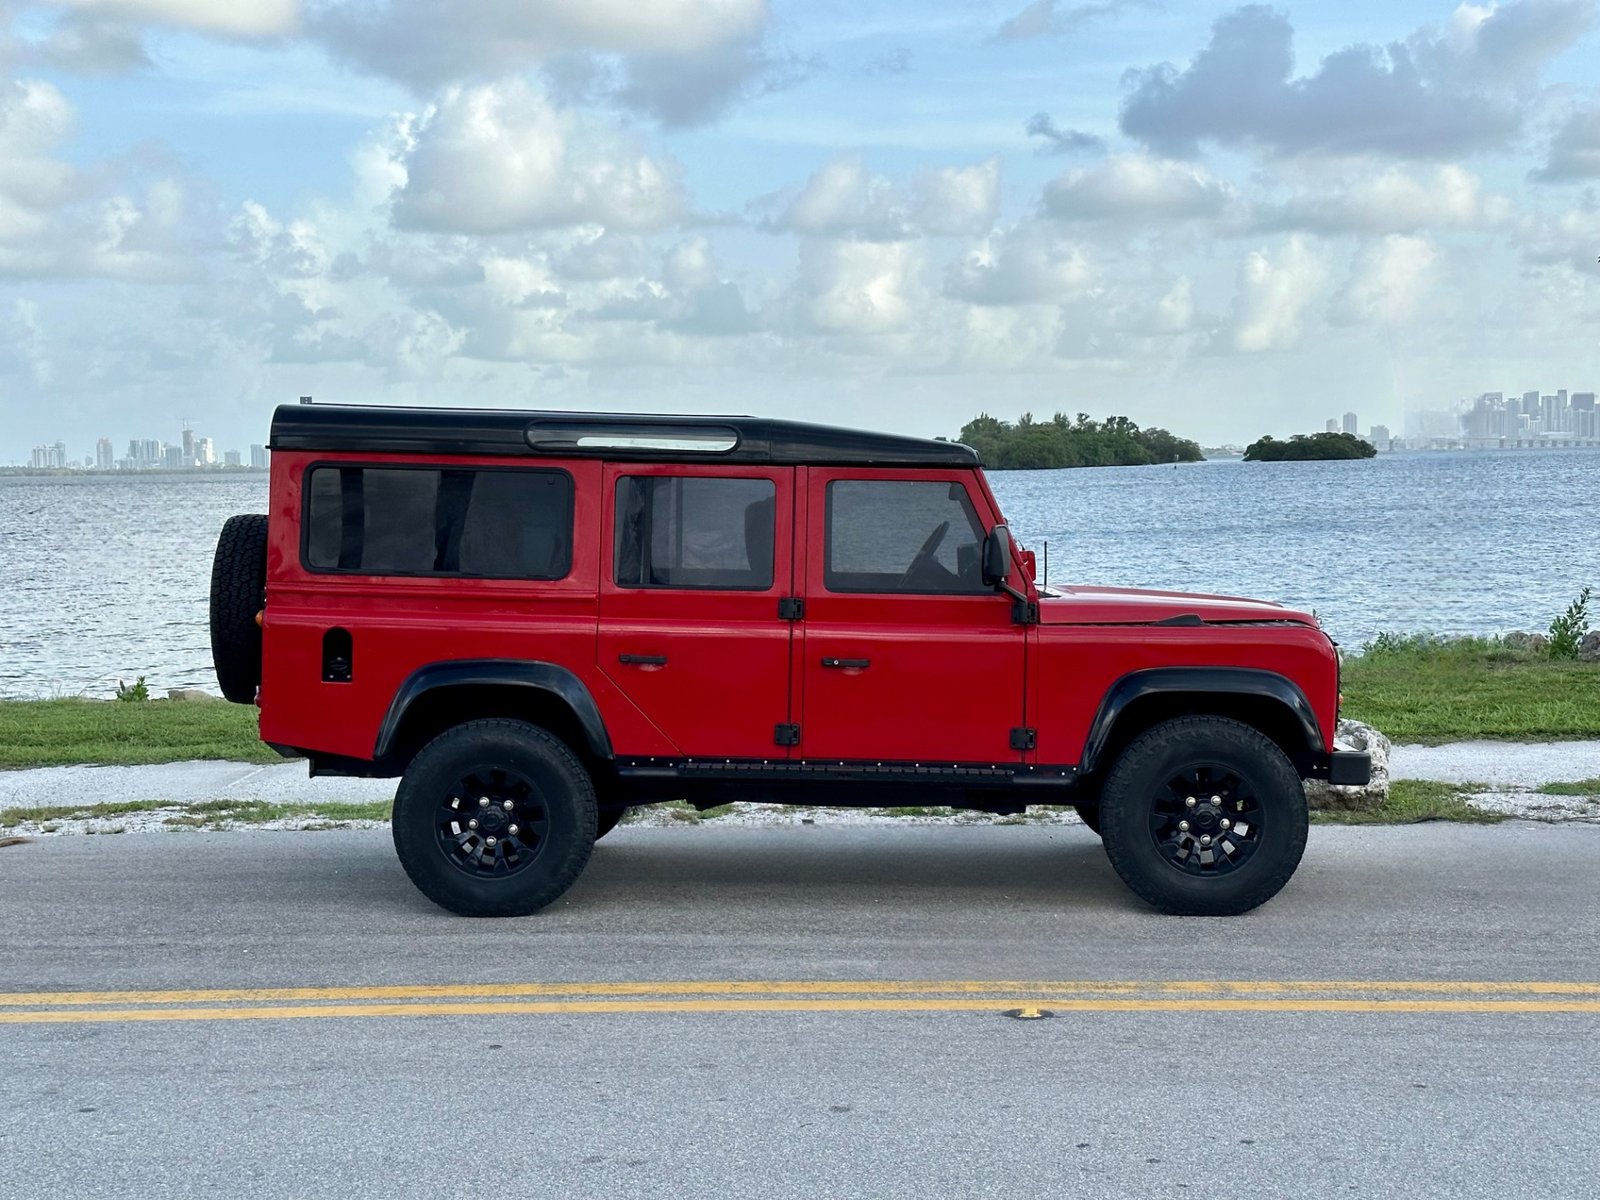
[805,1012]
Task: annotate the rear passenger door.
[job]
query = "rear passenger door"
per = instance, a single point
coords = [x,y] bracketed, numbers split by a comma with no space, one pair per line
[697,559]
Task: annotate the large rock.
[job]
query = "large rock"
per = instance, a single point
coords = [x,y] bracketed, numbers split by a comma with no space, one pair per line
[190,694]
[1589,648]
[1324,797]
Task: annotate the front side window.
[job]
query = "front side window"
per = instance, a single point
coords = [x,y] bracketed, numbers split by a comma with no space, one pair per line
[507,524]
[890,535]
[677,531]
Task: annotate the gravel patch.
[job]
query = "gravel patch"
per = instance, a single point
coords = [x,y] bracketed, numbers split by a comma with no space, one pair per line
[1502,764]
[276,783]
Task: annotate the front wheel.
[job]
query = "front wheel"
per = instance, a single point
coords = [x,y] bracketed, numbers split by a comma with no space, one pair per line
[494,818]
[1204,816]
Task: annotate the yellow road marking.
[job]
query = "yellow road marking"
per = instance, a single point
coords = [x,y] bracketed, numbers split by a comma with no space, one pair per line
[799,996]
[998,987]
[787,1005]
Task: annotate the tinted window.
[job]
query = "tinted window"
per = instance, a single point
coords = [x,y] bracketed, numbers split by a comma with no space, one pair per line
[695,532]
[902,536]
[420,521]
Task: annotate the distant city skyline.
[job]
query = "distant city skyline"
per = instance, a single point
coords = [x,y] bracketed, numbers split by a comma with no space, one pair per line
[188,453]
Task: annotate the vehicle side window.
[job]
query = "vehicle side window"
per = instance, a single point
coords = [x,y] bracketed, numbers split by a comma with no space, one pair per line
[695,532]
[493,524]
[890,535]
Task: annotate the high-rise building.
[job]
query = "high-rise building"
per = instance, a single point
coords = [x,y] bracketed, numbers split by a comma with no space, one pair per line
[1585,417]
[1530,404]
[1380,437]
[188,446]
[258,458]
[1350,423]
[175,460]
[104,455]
[1333,425]
[230,458]
[205,452]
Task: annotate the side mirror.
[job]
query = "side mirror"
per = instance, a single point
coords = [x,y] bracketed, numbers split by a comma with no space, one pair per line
[997,557]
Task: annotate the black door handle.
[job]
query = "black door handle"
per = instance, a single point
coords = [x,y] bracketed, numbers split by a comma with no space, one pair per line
[848,664]
[643,660]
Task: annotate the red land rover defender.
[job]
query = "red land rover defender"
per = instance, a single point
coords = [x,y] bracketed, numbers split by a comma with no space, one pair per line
[538,619]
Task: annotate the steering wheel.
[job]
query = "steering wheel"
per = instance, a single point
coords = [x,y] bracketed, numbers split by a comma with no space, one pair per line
[925,555]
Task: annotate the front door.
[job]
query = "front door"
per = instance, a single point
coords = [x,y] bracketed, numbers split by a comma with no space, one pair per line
[906,655]
[697,561]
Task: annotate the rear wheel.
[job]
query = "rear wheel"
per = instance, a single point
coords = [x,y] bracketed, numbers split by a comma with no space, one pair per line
[494,818]
[238,590]
[1204,816]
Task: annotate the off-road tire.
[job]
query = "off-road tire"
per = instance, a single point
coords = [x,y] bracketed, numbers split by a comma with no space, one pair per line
[561,785]
[1089,814]
[238,590]
[1141,773]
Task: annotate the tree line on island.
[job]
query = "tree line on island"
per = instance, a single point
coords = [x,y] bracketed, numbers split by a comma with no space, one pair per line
[1303,446]
[1062,441]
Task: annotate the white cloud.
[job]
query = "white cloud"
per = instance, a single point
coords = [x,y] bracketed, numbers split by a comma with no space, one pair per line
[234,18]
[1135,189]
[1272,294]
[1574,150]
[1388,279]
[1394,201]
[851,287]
[499,158]
[1030,264]
[844,199]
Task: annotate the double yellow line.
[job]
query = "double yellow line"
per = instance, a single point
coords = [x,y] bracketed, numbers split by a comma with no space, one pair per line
[802,996]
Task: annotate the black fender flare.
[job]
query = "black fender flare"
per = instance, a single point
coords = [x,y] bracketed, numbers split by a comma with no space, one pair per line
[536,676]
[1247,681]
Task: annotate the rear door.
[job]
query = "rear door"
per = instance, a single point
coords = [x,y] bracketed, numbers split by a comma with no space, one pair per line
[696,562]
[906,655]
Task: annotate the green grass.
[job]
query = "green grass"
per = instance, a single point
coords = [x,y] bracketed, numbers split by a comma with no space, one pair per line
[1413,800]
[1432,690]
[200,815]
[49,733]
[1582,787]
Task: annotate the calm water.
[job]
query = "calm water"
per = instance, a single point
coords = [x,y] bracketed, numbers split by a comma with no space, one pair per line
[106,578]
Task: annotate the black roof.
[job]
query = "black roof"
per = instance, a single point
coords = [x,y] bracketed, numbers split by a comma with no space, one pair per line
[634,436]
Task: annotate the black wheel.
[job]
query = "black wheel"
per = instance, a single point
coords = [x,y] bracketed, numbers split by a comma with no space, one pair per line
[1089,814]
[609,816]
[1204,816]
[238,590]
[494,818]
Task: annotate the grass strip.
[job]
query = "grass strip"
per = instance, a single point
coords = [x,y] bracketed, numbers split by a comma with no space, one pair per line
[1582,787]
[53,733]
[1412,801]
[200,815]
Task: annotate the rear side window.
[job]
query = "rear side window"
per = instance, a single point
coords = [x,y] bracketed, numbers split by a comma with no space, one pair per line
[695,532]
[890,535]
[485,523]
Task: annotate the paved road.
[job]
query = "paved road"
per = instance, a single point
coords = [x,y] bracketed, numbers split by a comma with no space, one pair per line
[637,1085]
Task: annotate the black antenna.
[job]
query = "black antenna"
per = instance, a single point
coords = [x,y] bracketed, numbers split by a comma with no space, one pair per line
[305,399]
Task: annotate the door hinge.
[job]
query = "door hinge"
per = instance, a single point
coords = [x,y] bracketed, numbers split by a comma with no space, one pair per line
[1024,612]
[791,608]
[1024,738]
[786,735]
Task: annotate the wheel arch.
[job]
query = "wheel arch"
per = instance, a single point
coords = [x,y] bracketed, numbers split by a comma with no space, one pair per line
[442,694]
[1264,700]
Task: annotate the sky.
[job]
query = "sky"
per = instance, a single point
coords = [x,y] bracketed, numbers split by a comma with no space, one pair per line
[1227,221]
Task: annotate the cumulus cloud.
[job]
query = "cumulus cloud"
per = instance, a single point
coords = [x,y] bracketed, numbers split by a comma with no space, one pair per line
[1392,201]
[1134,188]
[1030,264]
[248,19]
[1435,95]
[859,288]
[500,158]
[77,42]
[1387,281]
[1056,140]
[1051,18]
[1574,150]
[844,199]
[1274,291]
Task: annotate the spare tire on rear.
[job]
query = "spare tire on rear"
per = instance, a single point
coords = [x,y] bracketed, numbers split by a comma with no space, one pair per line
[238,591]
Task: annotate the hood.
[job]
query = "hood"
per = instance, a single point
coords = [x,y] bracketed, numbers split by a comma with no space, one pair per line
[1132,606]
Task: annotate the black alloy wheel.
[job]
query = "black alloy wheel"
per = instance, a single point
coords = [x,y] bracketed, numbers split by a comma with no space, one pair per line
[494,818]
[1204,816]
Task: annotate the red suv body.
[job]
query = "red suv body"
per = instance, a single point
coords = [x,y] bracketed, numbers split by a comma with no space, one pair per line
[730,607]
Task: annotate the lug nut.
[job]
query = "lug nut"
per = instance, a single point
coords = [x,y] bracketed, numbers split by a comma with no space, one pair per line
[491,840]
[1227,824]
[1216,802]
[1183,826]
[472,824]
[483,802]
[512,830]
[506,804]
[1205,839]
[1189,801]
